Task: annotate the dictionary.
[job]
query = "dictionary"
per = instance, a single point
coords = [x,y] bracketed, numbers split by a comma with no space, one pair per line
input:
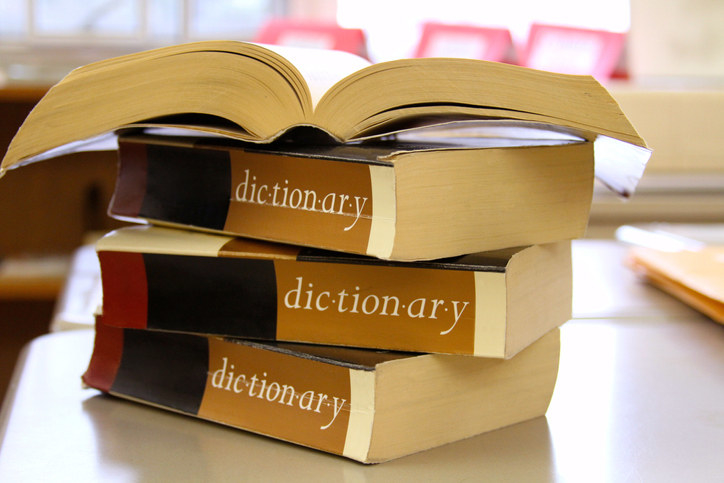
[391,200]
[257,92]
[490,304]
[369,406]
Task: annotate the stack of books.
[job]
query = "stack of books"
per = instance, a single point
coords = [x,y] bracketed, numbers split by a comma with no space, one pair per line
[371,266]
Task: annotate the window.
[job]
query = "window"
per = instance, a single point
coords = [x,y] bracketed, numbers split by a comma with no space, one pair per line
[41,40]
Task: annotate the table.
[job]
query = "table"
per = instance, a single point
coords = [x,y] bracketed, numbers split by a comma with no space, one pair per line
[639,398]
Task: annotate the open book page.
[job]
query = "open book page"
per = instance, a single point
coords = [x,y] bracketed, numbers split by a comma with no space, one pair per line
[321,68]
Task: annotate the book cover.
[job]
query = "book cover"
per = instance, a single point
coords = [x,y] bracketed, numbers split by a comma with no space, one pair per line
[364,405]
[490,304]
[391,200]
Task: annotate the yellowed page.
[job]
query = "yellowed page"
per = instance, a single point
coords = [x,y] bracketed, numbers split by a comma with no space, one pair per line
[321,68]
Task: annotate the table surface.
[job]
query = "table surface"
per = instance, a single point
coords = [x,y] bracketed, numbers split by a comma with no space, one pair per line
[638,398]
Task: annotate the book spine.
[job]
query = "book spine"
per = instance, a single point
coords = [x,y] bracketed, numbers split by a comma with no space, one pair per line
[354,304]
[260,195]
[279,394]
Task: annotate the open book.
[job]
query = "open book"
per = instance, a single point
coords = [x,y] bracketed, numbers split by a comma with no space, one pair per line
[257,93]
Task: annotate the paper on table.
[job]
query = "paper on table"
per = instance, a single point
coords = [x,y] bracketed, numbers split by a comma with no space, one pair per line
[695,276]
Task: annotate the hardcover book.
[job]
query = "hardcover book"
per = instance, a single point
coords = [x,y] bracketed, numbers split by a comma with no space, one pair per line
[392,200]
[256,93]
[369,406]
[490,304]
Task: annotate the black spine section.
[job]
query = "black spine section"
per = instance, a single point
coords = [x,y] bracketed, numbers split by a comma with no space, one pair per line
[165,369]
[187,186]
[225,296]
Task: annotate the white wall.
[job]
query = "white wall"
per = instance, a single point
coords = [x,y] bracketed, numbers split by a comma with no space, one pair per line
[677,39]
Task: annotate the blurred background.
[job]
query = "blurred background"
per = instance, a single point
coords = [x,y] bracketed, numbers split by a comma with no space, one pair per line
[663,61]
[42,39]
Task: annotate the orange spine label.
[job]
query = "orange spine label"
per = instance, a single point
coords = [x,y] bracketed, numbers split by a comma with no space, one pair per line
[301,200]
[395,307]
[295,399]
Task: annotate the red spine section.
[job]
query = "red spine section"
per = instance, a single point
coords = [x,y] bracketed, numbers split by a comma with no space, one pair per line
[106,357]
[125,289]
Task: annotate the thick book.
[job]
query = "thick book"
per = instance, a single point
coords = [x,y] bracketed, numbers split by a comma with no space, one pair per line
[369,406]
[257,93]
[491,304]
[392,200]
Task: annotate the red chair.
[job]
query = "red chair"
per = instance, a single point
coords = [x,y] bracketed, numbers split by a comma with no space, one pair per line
[573,50]
[302,33]
[474,42]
